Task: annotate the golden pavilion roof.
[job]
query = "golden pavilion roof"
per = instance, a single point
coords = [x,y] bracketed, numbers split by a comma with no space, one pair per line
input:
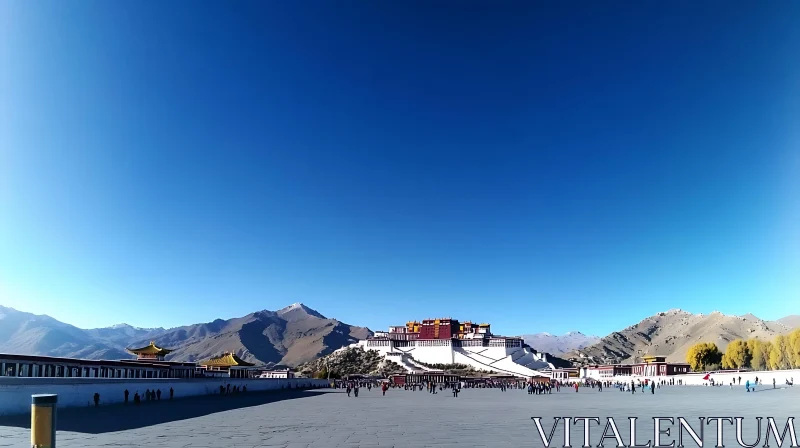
[151,349]
[226,360]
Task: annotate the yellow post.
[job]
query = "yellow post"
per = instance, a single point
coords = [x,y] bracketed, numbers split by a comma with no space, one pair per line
[43,420]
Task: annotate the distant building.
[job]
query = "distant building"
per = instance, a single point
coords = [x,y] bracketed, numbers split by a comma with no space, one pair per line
[650,366]
[658,366]
[228,365]
[149,352]
[279,373]
[563,374]
[149,363]
[606,371]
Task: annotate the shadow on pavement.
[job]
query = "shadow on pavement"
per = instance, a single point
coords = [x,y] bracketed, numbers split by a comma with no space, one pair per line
[120,417]
[764,389]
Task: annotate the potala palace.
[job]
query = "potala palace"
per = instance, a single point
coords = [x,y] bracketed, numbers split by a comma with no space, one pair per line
[448,341]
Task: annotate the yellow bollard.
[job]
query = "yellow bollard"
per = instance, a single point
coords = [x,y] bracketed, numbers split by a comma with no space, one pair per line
[43,420]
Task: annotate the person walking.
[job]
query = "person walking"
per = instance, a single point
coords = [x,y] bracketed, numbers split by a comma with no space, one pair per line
[158,394]
[126,396]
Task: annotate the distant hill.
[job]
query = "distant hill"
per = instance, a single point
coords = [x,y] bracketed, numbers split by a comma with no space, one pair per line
[290,336]
[792,321]
[31,334]
[122,334]
[672,333]
[558,345]
[351,360]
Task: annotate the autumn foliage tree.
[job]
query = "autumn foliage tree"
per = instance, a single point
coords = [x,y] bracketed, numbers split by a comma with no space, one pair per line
[703,355]
[781,353]
[794,348]
[759,350]
[737,355]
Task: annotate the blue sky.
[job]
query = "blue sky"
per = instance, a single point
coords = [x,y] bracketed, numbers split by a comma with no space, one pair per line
[545,166]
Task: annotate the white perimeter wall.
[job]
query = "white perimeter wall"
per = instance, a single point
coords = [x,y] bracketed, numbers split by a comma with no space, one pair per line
[15,393]
[696,379]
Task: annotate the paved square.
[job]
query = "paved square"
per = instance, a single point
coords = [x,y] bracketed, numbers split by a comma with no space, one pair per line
[477,418]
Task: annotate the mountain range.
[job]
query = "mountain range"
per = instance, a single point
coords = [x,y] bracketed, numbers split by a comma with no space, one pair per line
[559,345]
[290,336]
[298,334]
[672,333]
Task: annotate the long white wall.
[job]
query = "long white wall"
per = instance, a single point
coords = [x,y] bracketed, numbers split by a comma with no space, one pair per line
[15,393]
[725,378]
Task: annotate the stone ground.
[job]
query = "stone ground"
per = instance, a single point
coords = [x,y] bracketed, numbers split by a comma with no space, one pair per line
[328,418]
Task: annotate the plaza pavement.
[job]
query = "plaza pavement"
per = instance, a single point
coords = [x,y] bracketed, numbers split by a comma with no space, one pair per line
[329,419]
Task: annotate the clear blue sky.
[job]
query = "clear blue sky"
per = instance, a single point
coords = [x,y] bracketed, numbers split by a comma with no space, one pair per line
[544,166]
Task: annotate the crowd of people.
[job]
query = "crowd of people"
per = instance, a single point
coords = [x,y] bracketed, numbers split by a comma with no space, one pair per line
[149,395]
[642,385]
[352,387]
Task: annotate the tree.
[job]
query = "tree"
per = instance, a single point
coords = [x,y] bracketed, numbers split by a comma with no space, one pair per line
[321,374]
[779,354]
[794,348]
[761,356]
[737,355]
[701,355]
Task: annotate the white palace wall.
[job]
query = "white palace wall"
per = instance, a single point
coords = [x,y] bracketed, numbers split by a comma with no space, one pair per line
[498,355]
[15,393]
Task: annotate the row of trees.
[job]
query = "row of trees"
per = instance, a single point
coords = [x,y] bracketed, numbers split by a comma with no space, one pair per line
[781,353]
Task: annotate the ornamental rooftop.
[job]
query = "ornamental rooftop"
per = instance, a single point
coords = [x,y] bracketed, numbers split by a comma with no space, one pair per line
[442,328]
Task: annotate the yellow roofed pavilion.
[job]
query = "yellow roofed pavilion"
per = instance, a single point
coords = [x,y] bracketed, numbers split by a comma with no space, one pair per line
[226,360]
[151,351]
[649,359]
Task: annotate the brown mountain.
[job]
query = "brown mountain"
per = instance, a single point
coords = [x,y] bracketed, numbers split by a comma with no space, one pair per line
[290,336]
[671,333]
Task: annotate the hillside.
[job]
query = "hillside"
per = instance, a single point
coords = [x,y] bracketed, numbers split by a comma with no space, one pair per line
[290,336]
[348,361]
[671,333]
[792,321]
[559,345]
[31,334]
